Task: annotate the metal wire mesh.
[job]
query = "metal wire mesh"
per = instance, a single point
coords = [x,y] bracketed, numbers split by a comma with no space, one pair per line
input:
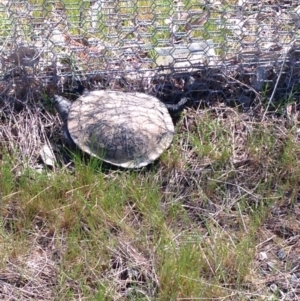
[231,50]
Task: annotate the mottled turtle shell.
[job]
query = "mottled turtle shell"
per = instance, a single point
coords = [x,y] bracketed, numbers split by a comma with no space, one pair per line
[125,129]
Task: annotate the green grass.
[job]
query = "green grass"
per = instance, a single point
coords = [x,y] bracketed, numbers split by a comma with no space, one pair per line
[185,228]
[113,21]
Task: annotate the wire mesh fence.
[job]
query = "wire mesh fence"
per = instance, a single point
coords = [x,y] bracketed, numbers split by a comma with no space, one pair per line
[236,51]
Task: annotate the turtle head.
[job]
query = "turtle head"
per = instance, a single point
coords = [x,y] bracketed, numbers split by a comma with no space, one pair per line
[62,105]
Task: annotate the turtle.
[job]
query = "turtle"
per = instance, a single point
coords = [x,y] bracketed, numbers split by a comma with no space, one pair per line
[126,129]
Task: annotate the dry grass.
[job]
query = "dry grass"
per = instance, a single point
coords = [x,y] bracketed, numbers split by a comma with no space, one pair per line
[216,218]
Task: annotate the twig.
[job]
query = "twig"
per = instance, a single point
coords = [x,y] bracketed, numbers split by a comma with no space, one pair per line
[277,82]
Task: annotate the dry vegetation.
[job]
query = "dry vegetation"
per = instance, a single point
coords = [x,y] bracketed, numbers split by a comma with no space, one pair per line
[216,218]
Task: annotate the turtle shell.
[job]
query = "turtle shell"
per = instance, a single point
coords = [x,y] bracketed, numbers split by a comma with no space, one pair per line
[125,129]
